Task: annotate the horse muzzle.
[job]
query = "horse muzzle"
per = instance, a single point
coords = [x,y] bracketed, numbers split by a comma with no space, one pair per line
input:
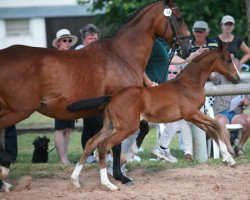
[237,79]
[184,49]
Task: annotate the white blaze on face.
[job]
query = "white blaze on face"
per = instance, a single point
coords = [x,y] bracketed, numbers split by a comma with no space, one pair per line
[234,64]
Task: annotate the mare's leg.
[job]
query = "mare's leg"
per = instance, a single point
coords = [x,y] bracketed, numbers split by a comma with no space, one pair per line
[5,162]
[118,175]
[144,129]
[212,128]
[89,148]
[8,118]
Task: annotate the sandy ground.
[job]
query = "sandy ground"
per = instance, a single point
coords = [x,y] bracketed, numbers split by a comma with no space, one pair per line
[203,182]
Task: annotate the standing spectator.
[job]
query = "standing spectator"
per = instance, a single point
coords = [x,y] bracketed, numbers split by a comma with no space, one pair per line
[162,149]
[91,125]
[200,40]
[63,41]
[235,43]
[11,142]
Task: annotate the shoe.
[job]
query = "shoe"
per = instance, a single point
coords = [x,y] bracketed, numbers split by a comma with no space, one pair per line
[141,149]
[135,158]
[91,159]
[164,154]
[188,157]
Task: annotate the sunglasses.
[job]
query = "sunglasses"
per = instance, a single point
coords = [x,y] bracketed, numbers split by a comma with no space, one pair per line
[67,40]
[229,24]
[170,72]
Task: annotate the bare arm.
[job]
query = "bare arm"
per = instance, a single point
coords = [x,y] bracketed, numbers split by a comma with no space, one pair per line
[147,80]
[245,49]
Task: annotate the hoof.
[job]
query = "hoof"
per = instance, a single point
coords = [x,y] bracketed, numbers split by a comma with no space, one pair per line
[75,183]
[129,183]
[111,186]
[5,187]
[230,162]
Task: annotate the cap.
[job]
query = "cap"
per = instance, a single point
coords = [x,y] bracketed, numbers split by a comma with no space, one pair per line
[200,26]
[227,18]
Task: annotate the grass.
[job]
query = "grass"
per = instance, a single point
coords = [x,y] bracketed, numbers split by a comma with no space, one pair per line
[53,169]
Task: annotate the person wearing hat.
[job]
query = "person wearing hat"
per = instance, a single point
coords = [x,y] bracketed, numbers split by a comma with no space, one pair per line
[63,41]
[235,43]
[91,125]
[200,40]
[224,113]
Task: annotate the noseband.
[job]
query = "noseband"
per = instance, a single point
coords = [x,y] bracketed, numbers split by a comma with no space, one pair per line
[175,44]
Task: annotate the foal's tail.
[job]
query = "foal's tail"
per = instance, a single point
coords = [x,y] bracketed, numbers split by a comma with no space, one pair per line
[86,104]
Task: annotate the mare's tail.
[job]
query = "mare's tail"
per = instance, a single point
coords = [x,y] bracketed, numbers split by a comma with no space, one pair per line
[86,104]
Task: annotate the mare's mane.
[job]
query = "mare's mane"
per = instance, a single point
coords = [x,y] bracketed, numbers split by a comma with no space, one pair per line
[129,19]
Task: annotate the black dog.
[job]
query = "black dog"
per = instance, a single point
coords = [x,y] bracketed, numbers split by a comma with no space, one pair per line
[40,154]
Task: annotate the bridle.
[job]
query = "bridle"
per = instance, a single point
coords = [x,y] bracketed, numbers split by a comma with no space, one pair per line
[175,44]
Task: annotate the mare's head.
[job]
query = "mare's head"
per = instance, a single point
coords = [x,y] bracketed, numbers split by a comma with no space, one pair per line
[175,29]
[225,65]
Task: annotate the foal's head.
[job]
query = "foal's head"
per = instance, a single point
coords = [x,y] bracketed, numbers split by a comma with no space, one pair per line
[175,30]
[225,65]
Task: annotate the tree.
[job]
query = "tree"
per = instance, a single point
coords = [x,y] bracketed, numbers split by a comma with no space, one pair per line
[211,11]
[248,18]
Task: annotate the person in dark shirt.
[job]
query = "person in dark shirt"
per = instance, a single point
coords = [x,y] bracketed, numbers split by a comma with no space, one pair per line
[235,43]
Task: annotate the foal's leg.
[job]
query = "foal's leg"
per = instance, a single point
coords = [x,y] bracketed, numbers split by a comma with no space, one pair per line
[212,128]
[89,148]
[103,148]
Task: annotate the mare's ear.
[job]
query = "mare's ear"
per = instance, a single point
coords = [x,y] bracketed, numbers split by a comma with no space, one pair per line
[169,2]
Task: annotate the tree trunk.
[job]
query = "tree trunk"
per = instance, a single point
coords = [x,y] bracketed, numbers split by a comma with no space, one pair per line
[248,18]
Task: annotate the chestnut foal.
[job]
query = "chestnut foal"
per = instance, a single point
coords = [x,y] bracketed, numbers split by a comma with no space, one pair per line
[180,98]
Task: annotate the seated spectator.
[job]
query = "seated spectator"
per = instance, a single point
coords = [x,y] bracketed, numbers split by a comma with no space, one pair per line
[226,113]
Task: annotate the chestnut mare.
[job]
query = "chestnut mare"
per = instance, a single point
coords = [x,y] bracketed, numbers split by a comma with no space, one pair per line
[180,98]
[47,80]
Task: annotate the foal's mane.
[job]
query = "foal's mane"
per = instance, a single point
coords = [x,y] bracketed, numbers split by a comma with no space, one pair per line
[197,59]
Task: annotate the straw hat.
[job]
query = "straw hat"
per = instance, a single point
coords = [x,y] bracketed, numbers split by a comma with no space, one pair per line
[64,33]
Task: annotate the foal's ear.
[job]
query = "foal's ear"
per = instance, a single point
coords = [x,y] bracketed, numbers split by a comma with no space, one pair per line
[222,46]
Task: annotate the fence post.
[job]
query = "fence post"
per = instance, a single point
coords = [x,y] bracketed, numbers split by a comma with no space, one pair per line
[199,143]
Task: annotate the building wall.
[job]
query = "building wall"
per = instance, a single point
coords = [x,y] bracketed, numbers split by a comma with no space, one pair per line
[36,36]
[42,20]
[24,3]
